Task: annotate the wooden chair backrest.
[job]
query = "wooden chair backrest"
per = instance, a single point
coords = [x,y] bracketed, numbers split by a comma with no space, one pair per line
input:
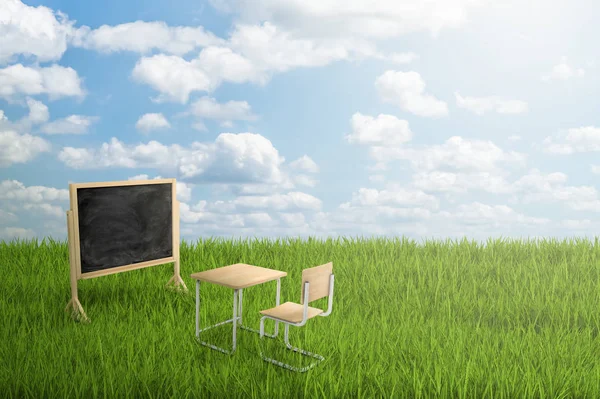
[318,279]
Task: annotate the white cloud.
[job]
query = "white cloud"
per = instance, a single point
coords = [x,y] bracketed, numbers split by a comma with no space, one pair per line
[477,213]
[251,54]
[38,112]
[514,137]
[139,177]
[457,152]
[189,215]
[36,32]
[224,223]
[481,105]
[377,212]
[531,187]
[152,121]
[292,219]
[16,148]
[440,181]
[407,91]
[16,191]
[370,212]
[394,195]
[595,169]
[253,51]
[72,124]
[271,48]
[534,181]
[199,126]
[46,209]
[55,81]
[260,219]
[536,187]
[244,157]
[184,191]
[578,198]
[244,189]
[172,76]
[563,71]
[383,130]
[7,217]
[9,233]
[577,224]
[387,136]
[175,78]
[305,163]
[113,154]
[142,37]
[53,228]
[223,64]
[377,178]
[279,202]
[209,108]
[583,139]
[36,200]
[379,19]
[274,215]
[304,180]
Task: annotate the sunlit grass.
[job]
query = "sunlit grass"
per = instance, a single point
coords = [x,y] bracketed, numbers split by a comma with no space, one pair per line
[440,319]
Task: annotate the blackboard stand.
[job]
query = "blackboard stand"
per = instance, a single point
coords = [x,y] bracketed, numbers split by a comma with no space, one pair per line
[176,281]
[77,312]
[76,272]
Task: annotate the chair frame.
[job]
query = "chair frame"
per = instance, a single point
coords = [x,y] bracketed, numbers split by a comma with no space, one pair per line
[300,324]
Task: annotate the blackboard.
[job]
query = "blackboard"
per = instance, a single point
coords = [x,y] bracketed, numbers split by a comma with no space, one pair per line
[124,225]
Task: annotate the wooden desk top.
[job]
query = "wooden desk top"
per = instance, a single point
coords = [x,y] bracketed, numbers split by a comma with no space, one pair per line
[238,276]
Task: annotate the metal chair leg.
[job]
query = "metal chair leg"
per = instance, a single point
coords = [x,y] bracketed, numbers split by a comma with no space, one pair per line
[289,346]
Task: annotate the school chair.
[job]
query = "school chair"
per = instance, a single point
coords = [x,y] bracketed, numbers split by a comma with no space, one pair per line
[317,283]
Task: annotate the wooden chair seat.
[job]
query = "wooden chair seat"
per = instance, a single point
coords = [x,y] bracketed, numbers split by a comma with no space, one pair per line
[290,312]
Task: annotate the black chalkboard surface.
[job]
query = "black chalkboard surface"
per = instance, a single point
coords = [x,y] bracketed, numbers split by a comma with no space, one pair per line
[124,225]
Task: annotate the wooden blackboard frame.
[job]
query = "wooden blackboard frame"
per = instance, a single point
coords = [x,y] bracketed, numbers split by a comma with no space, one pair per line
[74,242]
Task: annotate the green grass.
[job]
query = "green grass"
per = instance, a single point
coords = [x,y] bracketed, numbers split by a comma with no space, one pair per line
[441,319]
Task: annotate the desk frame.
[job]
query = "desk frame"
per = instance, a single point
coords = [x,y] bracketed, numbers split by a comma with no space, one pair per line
[237,315]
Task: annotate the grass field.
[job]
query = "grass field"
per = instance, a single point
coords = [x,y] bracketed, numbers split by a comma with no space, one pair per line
[440,319]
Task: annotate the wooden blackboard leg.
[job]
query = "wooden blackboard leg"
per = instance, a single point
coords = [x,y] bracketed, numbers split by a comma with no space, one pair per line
[176,280]
[77,310]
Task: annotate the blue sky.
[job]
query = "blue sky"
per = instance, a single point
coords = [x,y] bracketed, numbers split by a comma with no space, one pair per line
[437,119]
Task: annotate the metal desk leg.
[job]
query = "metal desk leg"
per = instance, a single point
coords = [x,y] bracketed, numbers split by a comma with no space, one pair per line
[240,294]
[235,317]
[197,308]
[277,304]
[277,300]
[234,320]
